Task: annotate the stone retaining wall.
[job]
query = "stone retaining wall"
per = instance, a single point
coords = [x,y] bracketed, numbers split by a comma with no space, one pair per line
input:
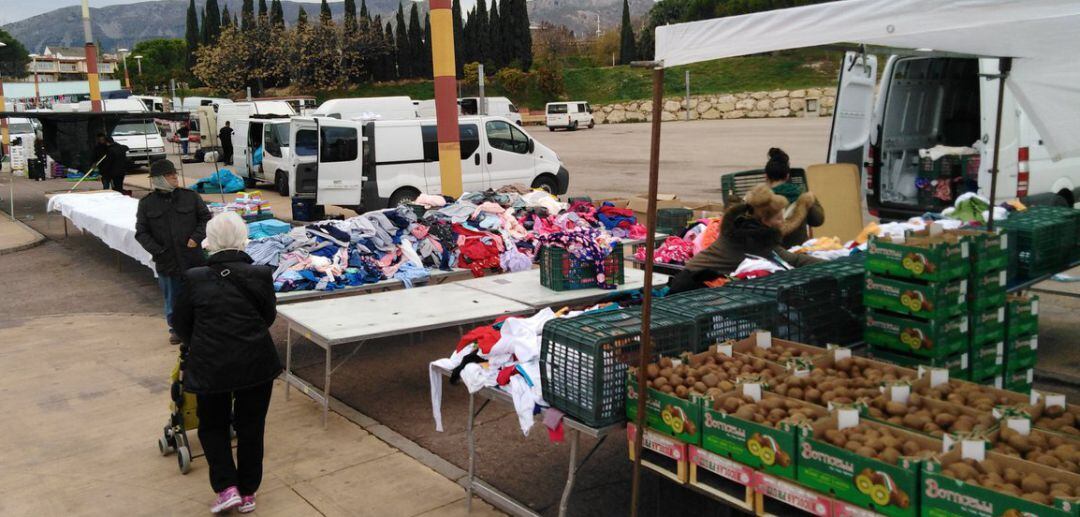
[774,104]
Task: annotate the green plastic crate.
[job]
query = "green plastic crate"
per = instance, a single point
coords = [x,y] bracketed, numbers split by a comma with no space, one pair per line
[987,360]
[561,271]
[736,184]
[933,300]
[719,314]
[921,338]
[805,304]
[1039,244]
[1021,352]
[987,289]
[849,273]
[673,221]
[987,325]
[584,360]
[1022,315]
[947,258]
[1067,213]
[957,364]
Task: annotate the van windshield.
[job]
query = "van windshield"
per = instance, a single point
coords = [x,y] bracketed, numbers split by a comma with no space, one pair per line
[135,128]
[557,109]
[20,128]
[281,134]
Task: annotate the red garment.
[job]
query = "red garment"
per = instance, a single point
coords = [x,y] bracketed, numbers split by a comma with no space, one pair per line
[556,435]
[753,273]
[485,337]
[620,212]
[504,375]
[479,250]
[674,250]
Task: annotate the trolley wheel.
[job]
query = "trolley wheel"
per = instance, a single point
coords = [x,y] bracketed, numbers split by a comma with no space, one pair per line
[163,446]
[183,459]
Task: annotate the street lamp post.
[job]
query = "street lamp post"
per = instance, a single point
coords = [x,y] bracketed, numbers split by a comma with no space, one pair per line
[3,121]
[138,61]
[127,78]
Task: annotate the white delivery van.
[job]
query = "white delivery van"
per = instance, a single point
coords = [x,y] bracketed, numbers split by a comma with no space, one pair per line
[267,157]
[235,113]
[924,101]
[426,108]
[382,108]
[569,115]
[24,129]
[129,104]
[143,140]
[193,103]
[378,164]
[496,106]
[152,103]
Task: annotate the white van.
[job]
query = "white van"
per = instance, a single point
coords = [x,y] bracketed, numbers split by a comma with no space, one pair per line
[142,137]
[271,135]
[924,101]
[382,108]
[496,106]
[152,103]
[25,129]
[236,112]
[399,159]
[193,103]
[569,115]
[129,104]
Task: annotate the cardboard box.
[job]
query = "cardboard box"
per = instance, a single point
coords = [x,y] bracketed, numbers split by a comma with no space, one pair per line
[935,259]
[987,289]
[989,250]
[830,358]
[1021,352]
[1001,396]
[987,361]
[935,300]
[1020,380]
[749,346]
[792,495]
[640,205]
[987,325]
[956,364]
[934,406]
[948,497]
[929,339]
[661,454]
[666,413]
[1022,314]
[708,211]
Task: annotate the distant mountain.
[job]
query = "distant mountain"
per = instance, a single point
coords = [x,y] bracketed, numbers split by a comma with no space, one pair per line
[120,26]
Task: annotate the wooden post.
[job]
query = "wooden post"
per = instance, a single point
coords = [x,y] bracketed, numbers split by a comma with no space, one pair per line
[645,350]
[1004,66]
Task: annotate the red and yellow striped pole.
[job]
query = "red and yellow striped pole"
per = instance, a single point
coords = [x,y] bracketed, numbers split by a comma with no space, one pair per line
[446,108]
[91,60]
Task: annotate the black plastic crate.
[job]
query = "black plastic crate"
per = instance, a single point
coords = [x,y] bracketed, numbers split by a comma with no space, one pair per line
[720,314]
[584,360]
[850,274]
[807,304]
[561,271]
[673,221]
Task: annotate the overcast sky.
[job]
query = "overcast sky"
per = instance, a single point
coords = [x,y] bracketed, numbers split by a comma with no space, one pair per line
[15,10]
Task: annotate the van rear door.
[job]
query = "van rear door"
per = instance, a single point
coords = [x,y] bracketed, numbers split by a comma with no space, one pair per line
[853,113]
[304,165]
[341,167]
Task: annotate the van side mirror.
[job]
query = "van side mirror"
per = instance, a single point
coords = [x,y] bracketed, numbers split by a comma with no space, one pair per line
[532,145]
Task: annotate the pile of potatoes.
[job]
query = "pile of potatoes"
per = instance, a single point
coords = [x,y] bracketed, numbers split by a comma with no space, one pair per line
[1050,450]
[770,411]
[1030,485]
[779,353]
[708,373]
[880,443]
[918,416]
[967,394]
[1057,418]
[848,380]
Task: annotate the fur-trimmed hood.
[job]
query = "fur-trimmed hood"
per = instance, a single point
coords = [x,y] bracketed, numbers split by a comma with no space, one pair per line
[796,213]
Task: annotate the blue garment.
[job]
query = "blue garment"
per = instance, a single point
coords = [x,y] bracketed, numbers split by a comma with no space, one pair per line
[221,181]
[411,274]
[170,288]
[267,228]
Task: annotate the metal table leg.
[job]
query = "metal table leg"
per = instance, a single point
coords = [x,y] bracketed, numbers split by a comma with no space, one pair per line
[288,360]
[564,501]
[326,387]
[472,453]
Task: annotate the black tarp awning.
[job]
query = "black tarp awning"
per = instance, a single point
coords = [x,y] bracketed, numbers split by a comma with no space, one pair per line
[70,137]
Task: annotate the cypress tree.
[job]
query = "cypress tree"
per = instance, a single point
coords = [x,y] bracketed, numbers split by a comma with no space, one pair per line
[468,38]
[429,67]
[277,15]
[204,39]
[523,34]
[496,46]
[350,15]
[264,12]
[416,42]
[226,18]
[325,16]
[459,37]
[247,15]
[364,14]
[393,60]
[301,17]
[480,40]
[401,38]
[627,47]
[212,22]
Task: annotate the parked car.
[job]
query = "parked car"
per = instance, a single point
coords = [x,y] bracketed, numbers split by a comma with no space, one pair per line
[378,164]
[497,106]
[569,115]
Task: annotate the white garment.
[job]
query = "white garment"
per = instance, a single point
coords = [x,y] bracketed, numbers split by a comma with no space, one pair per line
[109,216]
[476,377]
[436,382]
[756,264]
[543,199]
[936,152]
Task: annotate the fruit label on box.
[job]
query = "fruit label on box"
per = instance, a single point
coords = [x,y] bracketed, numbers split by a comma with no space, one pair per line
[793,495]
[753,444]
[752,390]
[658,443]
[847,417]
[943,496]
[666,413]
[900,393]
[887,489]
[763,339]
[723,467]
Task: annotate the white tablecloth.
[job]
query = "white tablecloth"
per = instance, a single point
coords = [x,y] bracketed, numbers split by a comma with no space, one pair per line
[109,216]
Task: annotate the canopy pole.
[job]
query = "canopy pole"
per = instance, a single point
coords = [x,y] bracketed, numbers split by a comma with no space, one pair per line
[1004,66]
[645,349]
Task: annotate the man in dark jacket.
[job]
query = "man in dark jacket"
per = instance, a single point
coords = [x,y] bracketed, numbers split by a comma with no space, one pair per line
[113,162]
[225,138]
[170,224]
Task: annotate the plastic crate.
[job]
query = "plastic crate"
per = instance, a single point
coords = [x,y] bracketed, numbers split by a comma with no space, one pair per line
[806,304]
[1038,244]
[584,360]
[849,273]
[1022,315]
[720,314]
[673,221]
[737,184]
[561,271]
[1066,213]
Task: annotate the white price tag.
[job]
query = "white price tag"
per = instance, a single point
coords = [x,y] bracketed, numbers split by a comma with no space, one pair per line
[1035,308]
[963,289]
[1002,278]
[973,450]
[1034,397]
[801,372]
[963,362]
[947,443]
[840,354]
[1034,342]
[899,239]
[752,390]
[998,382]
[1030,375]
[764,339]
[1005,241]
[900,393]
[724,350]
[939,376]
[936,229]
[1020,425]
[1000,348]
[964,325]
[1055,399]
[676,362]
[1001,314]
[963,250]
[847,418]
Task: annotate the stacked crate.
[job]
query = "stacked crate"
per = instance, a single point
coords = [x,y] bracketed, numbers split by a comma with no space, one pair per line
[1021,341]
[1045,240]
[806,305]
[849,273]
[986,302]
[916,301]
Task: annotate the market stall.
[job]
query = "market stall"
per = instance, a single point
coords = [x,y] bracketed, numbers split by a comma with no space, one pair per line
[107,215]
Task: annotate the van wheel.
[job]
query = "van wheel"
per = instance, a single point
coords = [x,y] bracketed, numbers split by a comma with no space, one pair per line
[281,182]
[592,124]
[551,129]
[573,127]
[250,182]
[402,196]
[547,183]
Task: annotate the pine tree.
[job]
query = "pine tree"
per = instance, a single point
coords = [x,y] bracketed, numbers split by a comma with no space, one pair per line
[426,57]
[212,22]
[226,18]
[522,34]
[480,36]
[416,42]
[264,12]
[627,47]
[301,17]
[459,37]
[247,15]
[350,15]
[393,59]
[401,42]
[496,47]
[277,15]
[325,16]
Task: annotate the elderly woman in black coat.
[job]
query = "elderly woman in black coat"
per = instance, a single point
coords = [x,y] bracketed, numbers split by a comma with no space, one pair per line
[223,317]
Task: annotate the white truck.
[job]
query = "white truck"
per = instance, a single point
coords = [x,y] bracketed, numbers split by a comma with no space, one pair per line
[924,101]
[378,164]
[568,115]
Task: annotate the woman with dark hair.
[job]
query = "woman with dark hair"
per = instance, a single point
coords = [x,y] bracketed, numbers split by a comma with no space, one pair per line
[803,207]
[748,228]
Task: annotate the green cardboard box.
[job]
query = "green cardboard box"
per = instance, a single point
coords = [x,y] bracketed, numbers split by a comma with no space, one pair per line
[1020,380]
[930,339]
[987,289]
[989,250]
[943,496]
[987,325]
[665,413]
[933,300]
[891,490]
[769,449]
[1022,314]
[936,259]
[987,360]
[1021,352]
[958,364]
[997,381]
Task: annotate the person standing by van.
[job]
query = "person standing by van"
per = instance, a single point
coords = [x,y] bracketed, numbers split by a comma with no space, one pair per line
[170,224]
[803,208]
[112,162]
[225,138]
[183,134]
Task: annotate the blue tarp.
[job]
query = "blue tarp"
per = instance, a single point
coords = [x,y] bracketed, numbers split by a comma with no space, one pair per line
[221,181]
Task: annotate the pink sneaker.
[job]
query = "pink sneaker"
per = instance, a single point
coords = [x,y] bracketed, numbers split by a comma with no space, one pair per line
[248,504]
[226,500]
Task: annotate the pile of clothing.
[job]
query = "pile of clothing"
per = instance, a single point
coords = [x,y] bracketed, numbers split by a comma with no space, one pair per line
[250,205]
[679,249]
